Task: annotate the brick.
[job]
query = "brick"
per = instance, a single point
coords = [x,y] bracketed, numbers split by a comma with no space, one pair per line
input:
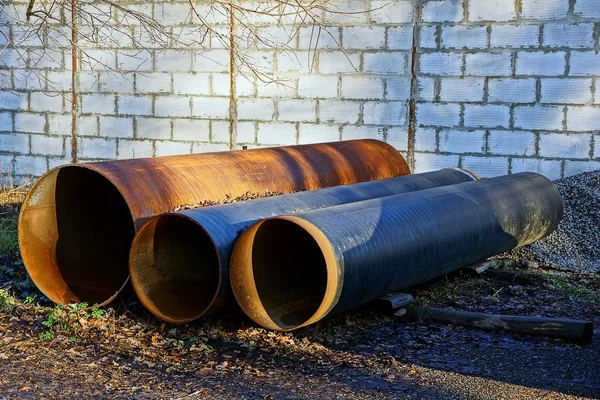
[596,146]
[442,11]
[98,104]
[343,9]
[362,87]
[60,124]
[255,109]
[135,105]
[153,82]
[86,125]
[566,91]
[314,86]
[219,131]
[517,143]
[582,119]
[438,114]
[587,8]
[563,145]
[490,116]
[384,63]
[274,90]
[353,132]
[116,127]
[426,139]
[173,13]
[544,9]
[336,62]
[31,165]
[47,145]
[551,169]
[464,37]
[172,106]
[311,38]
[45,101]
[462,141]
[297,110]
[152,128]
[400,38]
[486,167]
[386,12]
[6,168]
[13,100]
[488,64]
[515,36]
[205,107]
[116,83]
[300,61]
[209,147]
[363,37]
[425,162]
[88,82]
[98,148]
[461,89]
[91,60]
[444,64]
[318,133]
[578,167]
[34,123]
[539,63]
[195,84]
[427,37]
[426,89]
[397,89]
[244,85]
[175,60]
[168,148]
[211,61]
[584,63]
[134,60]
[246,132]
[277,133]
[509,90]
[492,10]
[134,149]
[191,130]
[539,117]
[6,121]
[569,35]
[14,143]
[339,111]
[384,113]
[398,137]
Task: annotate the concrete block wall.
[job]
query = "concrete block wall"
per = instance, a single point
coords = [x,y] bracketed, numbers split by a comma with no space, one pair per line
[503,86]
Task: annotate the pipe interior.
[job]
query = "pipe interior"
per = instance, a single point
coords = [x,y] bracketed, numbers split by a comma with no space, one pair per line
[289,272]
[175,268]
[95,230]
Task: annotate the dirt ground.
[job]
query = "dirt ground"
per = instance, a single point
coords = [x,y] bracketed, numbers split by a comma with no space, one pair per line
[121,351]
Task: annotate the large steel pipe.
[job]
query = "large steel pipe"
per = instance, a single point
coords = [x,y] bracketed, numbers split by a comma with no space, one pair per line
[78,221]
[291,271]
[179,262]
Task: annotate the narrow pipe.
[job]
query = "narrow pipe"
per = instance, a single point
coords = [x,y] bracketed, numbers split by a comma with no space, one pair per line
[179,262]
[291,271]
[77,222]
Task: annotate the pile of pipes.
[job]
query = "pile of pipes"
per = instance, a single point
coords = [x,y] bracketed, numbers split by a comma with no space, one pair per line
[351,225]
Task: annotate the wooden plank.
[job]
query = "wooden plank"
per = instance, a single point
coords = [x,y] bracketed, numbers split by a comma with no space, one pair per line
[568,329]
[394,301]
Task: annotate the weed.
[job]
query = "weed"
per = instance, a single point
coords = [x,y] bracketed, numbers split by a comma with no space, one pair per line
[46,335]
[7,301]
[574,290]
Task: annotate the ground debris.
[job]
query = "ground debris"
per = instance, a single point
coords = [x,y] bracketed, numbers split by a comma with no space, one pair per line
[227,200]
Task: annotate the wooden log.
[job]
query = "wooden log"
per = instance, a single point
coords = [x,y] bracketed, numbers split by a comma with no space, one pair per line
[486,265]
[394,301]
[568,329]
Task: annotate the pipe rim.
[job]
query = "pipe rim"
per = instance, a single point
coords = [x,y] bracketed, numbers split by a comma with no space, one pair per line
[245,289]
[147,301]
[50,178]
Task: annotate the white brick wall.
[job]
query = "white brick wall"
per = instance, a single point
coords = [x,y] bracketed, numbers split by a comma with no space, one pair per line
[503,86]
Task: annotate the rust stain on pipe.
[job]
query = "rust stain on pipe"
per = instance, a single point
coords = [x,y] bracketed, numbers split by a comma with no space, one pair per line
[78,221]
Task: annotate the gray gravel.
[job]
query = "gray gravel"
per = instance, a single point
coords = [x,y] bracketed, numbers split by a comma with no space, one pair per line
[575,245]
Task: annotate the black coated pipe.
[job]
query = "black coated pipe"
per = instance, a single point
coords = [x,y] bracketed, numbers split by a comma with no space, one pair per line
[291,271]
[179,262]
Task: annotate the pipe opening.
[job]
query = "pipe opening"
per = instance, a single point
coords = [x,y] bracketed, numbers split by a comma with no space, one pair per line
[77,236]
[174,268]
[290,272]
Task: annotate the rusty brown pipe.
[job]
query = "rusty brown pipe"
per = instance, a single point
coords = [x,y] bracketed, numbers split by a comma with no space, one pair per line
[78,221]
[179,262]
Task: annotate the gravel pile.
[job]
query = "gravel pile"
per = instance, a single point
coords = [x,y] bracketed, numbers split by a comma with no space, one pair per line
[575,245]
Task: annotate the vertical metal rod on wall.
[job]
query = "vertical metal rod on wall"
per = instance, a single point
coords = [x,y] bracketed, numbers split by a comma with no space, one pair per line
[74,99]
[414,86]
[232,88]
